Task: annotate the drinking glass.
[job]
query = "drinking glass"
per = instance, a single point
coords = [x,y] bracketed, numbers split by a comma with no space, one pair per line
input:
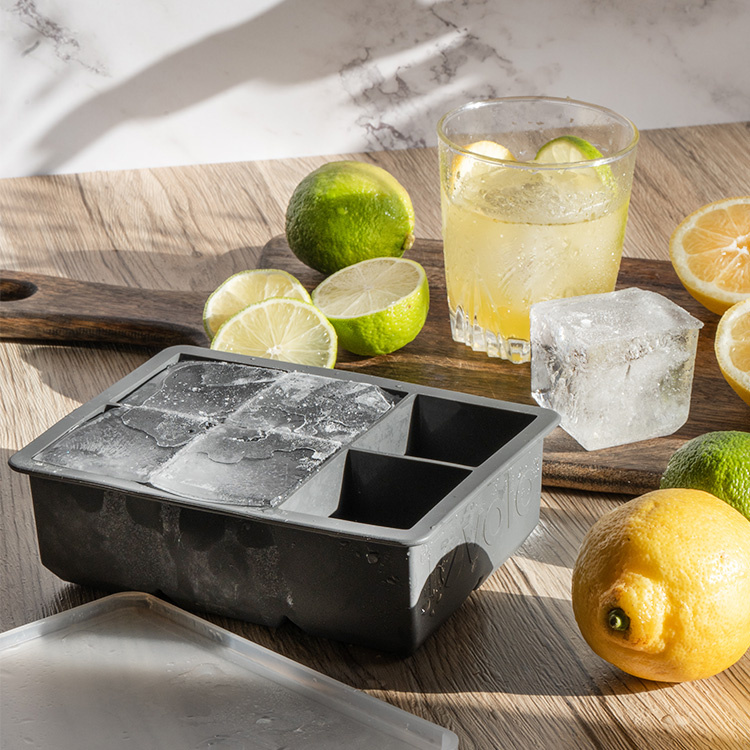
[534,195]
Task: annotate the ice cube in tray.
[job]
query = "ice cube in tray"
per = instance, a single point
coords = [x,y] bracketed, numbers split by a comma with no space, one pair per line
[239,466]
[123,443]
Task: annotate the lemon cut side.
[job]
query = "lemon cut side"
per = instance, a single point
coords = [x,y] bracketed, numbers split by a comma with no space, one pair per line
[710,252]
[732,347]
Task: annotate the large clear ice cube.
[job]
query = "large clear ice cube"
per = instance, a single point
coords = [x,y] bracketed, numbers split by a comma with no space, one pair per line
[617,367]
[223,432]
[203,389]
[243,466]
[317,406]
[168,429]
[122,443]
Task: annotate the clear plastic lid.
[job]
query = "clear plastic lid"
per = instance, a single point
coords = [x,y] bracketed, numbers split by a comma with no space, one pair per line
[130,671]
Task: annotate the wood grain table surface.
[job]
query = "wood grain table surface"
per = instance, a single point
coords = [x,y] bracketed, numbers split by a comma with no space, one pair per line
[509,669]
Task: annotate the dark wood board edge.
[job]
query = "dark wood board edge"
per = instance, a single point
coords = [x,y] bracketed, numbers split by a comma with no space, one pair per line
[35,306]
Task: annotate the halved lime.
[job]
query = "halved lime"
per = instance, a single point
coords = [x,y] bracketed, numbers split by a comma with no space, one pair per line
[246,288]
[285,329]
[377,305]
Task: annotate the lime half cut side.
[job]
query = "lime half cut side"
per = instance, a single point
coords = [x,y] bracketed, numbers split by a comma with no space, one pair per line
[376,306]
[288,330]
[246,288]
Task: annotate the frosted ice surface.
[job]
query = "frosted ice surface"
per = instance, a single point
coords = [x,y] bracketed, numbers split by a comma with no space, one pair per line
[168,429]
[617,367]
[232,433]
[243,466]
[121,443]
[207,389]
[317,406]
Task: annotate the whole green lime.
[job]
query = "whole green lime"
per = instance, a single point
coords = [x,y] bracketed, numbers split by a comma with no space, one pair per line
[716,462]
[347,211]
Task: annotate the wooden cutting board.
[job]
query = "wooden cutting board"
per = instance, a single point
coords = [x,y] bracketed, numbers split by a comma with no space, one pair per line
[44,307]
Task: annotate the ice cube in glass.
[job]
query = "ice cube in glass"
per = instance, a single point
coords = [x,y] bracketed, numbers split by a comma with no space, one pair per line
[617,367]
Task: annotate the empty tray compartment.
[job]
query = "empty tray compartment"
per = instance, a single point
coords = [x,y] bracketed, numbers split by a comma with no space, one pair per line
[394,492]
[445,429]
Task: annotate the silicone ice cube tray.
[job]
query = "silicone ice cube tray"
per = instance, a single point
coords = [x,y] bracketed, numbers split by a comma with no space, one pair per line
[377,541]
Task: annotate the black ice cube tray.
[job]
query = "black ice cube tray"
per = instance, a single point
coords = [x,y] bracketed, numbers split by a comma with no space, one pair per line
[377,544]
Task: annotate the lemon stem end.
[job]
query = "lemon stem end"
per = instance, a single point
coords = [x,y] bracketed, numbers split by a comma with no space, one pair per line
[618,620]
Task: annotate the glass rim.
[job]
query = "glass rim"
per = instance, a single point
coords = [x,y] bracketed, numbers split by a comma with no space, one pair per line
[479,104]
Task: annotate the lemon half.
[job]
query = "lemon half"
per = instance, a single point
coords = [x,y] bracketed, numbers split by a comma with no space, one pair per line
[710,251]
[732,347]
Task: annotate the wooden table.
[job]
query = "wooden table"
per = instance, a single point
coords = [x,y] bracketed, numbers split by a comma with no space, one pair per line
[509,669]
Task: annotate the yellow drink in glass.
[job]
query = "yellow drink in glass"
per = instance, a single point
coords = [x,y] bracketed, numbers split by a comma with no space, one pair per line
[519,232]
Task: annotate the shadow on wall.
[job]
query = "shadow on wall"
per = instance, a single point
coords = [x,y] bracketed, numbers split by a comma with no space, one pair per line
[299,41]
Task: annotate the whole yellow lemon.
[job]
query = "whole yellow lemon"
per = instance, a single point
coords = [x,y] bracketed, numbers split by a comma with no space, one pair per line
[661,586]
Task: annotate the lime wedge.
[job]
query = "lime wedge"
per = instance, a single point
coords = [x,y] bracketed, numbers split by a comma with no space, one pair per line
[246,288]
[376,306]
[569,149]
[285,329]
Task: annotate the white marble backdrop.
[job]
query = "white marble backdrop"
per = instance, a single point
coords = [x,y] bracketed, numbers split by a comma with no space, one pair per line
[112,84]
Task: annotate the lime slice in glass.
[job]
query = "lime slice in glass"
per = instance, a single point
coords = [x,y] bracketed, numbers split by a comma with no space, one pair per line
[569,149]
